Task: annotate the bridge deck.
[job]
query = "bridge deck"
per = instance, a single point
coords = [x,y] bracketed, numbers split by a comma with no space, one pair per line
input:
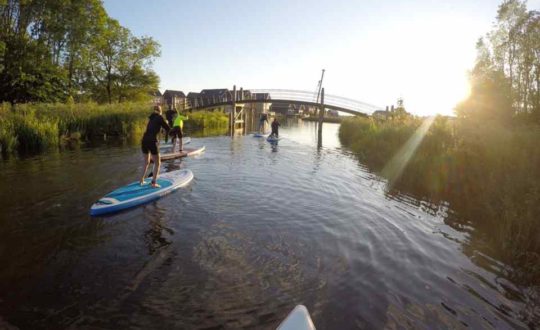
[293,97]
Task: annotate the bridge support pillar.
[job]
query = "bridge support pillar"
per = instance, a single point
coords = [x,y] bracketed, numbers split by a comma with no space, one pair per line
[321,118]
[232,120]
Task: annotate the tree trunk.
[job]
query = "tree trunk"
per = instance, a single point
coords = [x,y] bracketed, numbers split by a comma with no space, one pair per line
[109,96]
[70,75]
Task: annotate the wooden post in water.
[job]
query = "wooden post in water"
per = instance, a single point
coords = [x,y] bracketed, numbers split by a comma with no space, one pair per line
[321,118]
[243,111]
[233,112]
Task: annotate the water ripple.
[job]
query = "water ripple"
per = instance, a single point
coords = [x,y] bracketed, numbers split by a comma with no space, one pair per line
[259,230]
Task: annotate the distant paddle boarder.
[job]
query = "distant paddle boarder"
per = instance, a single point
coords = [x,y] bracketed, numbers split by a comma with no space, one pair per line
[177,132]
[149,144]
[262,119]
[170,114]
[275,128]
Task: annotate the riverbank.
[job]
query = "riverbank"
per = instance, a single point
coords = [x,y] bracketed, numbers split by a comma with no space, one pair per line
[488,172]
[34,127]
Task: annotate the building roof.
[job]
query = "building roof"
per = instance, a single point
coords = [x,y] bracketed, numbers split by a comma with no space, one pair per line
[155,92]
[212,95]
[170,92]
[193,94]
[260,96]
[213,92]
[280,107]
[246,94]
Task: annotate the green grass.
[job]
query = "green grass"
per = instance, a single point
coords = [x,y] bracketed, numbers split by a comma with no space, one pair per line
[488,172]
[35,127]
[208,120]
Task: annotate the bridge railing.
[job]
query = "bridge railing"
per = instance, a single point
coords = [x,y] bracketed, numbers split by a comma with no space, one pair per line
[331,100]
[286,95]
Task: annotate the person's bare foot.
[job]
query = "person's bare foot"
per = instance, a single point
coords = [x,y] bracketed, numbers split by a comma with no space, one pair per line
[155,185]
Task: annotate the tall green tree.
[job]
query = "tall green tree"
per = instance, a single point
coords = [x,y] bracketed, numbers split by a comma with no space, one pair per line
[28,70]
[134,77]
[506,78]
[52,49]
[85,22]
[120,64]
[491,97]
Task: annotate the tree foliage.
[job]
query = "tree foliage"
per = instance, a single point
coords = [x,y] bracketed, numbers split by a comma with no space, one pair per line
[505,82]
[52,50]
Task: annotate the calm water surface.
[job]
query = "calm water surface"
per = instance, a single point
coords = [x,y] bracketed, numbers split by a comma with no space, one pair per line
[259,230]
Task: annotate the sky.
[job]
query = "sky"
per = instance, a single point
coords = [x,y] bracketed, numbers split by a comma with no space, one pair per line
[372,51]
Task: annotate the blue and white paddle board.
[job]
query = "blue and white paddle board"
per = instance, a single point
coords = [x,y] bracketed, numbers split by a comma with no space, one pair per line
[273,139]
[298,319]
[134,194]
[259,135]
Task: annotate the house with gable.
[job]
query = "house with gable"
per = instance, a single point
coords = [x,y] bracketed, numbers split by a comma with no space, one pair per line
[193,99]
[174,99]
[156,97]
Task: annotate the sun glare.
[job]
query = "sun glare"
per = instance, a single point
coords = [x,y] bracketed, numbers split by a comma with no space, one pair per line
[396,165]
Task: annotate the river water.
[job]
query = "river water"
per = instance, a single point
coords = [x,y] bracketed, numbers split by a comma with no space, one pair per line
[261,229]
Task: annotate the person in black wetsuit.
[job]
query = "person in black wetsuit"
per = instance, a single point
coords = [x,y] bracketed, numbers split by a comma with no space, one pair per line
[262,119]
[170,114]
[149,144]
[275,128]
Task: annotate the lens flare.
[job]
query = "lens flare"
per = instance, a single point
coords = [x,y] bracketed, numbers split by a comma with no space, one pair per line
[394,168]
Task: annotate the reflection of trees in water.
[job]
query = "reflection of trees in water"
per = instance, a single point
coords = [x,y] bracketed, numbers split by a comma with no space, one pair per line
[523,273]
[31,252]
[499,235]
[517,275]
[155,236]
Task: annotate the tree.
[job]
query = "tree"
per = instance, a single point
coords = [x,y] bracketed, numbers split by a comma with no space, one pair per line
[28,70]
[121,63]
[134,77]
[490,96]
[85,20]
[52,49]
[506,78]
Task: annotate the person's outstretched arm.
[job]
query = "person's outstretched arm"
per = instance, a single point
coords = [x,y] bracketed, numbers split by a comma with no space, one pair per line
[165,126]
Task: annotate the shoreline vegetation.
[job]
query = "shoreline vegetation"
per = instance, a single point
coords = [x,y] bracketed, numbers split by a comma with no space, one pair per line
[36,127]
[486,161]
[486,171]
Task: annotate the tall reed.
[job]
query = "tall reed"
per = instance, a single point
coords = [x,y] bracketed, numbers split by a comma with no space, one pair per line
[490,173]
[34,127]
[206,119]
